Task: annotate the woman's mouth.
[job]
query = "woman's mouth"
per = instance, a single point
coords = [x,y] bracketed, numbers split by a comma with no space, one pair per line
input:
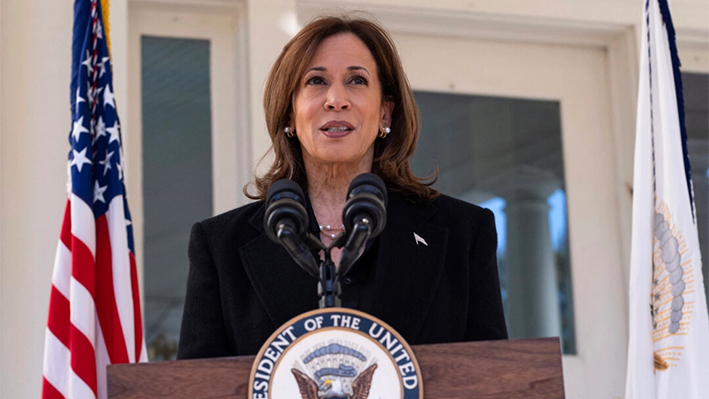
[335,129]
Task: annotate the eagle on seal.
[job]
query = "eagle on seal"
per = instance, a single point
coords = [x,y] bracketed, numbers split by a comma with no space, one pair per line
[332,388]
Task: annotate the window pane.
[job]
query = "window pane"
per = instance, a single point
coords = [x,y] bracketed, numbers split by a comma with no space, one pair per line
[177,176]
[506,154]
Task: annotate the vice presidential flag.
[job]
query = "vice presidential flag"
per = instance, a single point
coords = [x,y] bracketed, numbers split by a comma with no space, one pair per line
[94,310]
[668,354]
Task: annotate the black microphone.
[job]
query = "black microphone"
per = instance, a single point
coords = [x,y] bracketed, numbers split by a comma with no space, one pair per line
[364,216]
[286,221]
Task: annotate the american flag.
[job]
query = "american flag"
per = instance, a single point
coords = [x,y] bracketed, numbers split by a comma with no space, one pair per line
[94,309]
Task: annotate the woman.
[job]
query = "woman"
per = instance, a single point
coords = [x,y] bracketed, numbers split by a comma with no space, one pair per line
[337,105]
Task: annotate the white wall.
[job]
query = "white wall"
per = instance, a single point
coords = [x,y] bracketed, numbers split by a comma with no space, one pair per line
[35,40]
[1,180]
[35,56]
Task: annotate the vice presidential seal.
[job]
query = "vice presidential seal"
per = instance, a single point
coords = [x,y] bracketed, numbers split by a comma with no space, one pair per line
[335,353]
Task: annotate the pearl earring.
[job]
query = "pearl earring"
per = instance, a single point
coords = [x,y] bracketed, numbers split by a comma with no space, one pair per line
[289,133]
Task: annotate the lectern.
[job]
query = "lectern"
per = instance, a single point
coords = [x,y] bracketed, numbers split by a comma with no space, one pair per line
[527,368]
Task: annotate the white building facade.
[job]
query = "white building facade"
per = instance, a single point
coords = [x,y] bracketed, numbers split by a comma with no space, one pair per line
[580,54]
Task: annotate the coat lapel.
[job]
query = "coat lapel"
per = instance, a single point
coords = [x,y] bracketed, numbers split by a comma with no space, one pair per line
[283,288]
[407,270]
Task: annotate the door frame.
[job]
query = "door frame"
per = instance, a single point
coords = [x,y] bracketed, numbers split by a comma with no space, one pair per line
[224,25]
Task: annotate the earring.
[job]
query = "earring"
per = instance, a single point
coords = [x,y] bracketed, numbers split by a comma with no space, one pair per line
[384,132]
[289,133]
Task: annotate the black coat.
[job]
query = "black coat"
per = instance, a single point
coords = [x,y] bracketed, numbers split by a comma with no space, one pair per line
[242,286]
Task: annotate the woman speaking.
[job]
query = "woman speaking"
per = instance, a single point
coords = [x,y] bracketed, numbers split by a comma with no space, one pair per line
[338,104]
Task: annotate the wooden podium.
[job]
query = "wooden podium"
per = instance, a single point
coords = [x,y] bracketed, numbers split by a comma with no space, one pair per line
[527,368]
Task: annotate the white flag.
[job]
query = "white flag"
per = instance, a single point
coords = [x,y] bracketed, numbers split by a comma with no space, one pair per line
[668,353]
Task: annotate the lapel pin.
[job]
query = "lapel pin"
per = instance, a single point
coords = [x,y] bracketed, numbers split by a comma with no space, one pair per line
[419,240]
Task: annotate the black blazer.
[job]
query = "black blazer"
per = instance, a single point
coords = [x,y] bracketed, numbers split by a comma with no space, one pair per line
[242,286]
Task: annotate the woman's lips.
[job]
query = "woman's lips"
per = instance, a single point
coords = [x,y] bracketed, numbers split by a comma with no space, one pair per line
[336,129]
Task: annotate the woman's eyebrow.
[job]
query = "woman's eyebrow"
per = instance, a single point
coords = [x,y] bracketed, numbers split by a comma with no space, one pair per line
[319,68]
[351,68]
[358,68]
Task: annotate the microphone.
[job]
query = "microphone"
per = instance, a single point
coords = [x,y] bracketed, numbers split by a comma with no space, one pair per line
[286,221]
[364,216]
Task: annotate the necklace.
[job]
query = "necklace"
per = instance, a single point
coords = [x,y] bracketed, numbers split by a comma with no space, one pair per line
[327,229]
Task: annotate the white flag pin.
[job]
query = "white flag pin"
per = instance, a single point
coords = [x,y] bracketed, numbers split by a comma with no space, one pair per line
[419,240]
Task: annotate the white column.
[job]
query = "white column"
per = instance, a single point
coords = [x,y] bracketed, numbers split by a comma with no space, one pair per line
[532,291]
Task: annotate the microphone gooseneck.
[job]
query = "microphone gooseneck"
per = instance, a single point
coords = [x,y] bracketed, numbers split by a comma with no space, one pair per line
[286,222]
[364,216]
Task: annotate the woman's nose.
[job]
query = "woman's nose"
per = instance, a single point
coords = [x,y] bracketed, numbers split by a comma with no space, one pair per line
[337,98]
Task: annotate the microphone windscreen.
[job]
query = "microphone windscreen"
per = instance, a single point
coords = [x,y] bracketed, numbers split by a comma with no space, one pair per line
[368,179]
[285,185]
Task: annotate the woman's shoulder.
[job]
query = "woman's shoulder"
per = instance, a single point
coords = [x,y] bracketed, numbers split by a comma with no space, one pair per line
[450,207]
[239,219]
[448,202]
[465,220]
[445,211]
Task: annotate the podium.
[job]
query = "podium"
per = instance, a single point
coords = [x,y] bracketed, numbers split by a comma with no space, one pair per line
[527,368]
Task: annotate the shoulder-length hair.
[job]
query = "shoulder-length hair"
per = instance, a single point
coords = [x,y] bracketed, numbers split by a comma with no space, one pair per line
[391,154]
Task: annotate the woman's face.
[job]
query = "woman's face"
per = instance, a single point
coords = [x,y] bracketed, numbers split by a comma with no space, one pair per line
[338,108]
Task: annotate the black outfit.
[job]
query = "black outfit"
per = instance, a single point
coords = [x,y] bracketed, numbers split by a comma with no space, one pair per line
[242,286]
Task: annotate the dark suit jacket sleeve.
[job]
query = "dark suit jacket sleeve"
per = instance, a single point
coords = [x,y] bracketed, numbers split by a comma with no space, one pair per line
[202,334]
[486,320]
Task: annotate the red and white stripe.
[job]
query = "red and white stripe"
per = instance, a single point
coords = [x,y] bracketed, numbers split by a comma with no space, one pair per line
[94,311]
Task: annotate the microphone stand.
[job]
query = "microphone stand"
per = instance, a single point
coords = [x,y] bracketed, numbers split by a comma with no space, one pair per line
[329,289]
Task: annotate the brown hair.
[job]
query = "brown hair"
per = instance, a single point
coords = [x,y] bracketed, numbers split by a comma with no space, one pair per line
[391,154]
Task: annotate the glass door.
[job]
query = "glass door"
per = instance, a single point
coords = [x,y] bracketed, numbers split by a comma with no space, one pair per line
[525,130]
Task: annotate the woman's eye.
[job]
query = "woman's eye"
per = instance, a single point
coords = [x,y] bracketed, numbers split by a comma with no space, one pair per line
[359,80]
[315,80]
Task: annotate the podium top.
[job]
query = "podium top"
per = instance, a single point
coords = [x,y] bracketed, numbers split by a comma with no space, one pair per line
[529,368]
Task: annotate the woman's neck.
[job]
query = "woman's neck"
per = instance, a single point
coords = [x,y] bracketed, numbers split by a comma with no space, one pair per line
[327,187]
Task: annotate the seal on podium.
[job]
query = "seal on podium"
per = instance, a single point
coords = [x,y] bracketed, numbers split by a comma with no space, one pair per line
[335,353]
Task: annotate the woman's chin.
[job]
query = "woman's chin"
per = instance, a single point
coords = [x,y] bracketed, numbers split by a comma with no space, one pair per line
[339,159]
[339,153]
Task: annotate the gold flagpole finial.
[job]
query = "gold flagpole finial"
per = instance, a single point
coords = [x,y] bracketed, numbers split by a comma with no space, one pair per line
[106,25]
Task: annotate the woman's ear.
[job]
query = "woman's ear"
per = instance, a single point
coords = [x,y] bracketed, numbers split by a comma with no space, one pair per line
[290,118]
[387,109]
